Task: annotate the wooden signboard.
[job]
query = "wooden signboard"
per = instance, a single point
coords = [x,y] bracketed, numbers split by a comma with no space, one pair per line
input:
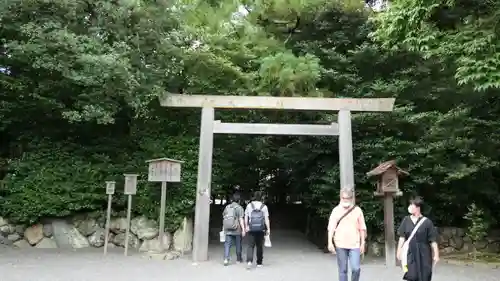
[164,170]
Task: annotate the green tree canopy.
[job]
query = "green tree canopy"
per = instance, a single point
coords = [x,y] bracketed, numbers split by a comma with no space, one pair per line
[80,83]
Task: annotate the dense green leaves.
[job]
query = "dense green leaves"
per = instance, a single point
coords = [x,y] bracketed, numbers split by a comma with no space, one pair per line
[461,32]
[80,81]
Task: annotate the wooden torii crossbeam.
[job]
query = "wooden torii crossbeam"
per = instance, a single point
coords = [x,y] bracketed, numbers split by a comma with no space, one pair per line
[209,127]
[264,102]
[275,129]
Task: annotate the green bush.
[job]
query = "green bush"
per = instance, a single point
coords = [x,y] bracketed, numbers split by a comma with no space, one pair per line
[478,227]
[56,180]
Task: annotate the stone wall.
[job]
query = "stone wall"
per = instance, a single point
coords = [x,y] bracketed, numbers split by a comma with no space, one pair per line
[84,231]
[451,240]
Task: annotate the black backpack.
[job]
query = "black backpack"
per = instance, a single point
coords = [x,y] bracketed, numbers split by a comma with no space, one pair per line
[257,220]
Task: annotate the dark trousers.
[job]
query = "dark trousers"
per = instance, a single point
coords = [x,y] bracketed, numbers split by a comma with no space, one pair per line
[255,240]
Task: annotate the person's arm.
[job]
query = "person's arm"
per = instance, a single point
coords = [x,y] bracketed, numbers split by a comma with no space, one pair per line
[247,215]
[401,240]
[435,252]
[432,236]
[332,224]
[267,220]
[222,218]
[362,229]
[241,220]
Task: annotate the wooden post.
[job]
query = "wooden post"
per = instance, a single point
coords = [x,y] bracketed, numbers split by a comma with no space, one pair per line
[162,215]
[163,170]
[184,232]
[345,149]
[390,239]
[202,209]
[129,214]
[130,189]
[108,218]
[110,190]
[388,188]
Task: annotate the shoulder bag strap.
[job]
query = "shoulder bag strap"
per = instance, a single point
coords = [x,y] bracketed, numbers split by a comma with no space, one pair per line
[345,215]
[412,234]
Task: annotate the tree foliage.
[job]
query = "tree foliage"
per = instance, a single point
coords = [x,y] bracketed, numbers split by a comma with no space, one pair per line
[464,33]
[80,82]
[478,226]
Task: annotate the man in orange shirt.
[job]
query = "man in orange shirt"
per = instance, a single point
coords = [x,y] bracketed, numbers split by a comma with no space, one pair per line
[347,234]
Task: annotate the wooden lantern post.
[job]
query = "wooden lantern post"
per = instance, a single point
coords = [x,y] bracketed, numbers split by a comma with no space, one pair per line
[129,190]
[388,188]
[163,170]
[110,190]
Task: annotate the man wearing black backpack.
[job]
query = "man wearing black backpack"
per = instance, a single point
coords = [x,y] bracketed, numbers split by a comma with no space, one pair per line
[234,228]
[257,227]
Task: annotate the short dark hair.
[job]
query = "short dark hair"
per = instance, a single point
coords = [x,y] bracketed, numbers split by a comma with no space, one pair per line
[236,197]
[417,201]
[257,196]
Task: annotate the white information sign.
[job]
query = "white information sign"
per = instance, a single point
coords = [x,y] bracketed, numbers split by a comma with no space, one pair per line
[110,187]
[130,184]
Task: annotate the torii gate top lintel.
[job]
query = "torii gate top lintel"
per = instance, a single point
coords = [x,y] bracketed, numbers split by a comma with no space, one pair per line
[271,102]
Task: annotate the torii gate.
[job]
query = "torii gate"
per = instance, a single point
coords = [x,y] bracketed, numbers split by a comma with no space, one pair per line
[209,127]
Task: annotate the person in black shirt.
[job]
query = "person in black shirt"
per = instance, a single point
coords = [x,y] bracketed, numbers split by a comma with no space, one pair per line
[417,248]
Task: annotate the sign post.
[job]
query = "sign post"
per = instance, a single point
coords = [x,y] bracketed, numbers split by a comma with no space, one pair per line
[129,190]
[110,190]
[388,188]
[163,170]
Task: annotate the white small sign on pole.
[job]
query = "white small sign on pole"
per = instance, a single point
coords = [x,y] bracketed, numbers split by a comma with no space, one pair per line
[110,190]
[129,189]
[130,184]
[110,187]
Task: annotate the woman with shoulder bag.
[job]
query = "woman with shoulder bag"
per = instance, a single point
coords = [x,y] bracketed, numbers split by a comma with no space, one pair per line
[417,248]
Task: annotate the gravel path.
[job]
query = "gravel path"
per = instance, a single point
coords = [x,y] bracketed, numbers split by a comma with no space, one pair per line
[292,258]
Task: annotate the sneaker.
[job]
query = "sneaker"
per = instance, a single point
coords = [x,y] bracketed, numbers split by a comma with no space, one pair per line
[226,262]
[249,265]
[259,265]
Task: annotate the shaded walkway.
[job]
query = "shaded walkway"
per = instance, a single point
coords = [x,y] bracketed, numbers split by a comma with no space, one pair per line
[292,258]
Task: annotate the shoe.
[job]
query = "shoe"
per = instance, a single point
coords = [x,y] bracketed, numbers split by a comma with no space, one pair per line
[259,265]
[226,262]
[249,265]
